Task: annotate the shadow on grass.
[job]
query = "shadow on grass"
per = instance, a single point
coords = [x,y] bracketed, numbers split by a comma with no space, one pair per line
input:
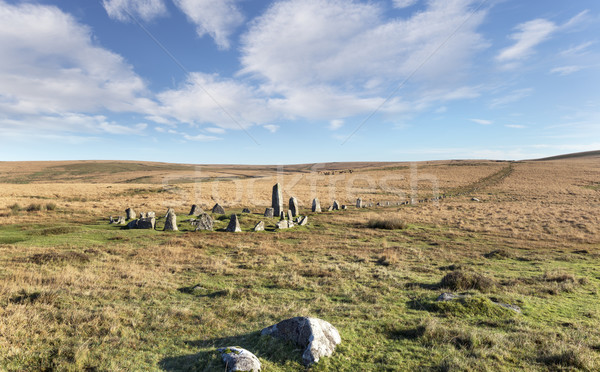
[266,348]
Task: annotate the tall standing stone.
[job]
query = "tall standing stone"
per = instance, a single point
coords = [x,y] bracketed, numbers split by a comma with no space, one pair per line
[171,221]
[130,214]
[316,205]
[294,206]
[234,224]
[269,212]
[359,203]
[277,200]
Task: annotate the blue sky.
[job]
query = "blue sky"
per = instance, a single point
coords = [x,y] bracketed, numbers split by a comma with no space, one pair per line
[298,81]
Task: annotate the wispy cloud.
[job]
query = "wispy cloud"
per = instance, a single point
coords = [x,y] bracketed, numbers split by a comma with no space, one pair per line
[404,3]
[271,127]
[482,121]
[514,96]
[577,50]
[144,9]
[336,124]
[515,126]
[527,37]
[566,70]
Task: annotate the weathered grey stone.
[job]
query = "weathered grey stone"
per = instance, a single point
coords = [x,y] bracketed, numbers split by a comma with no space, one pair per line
[143,215]
[217,209]
[359,203]
[475,199]
[336,205]
[290,216]
[344,206]
[259,226]
[195,211]
[246,210]
[269,212]
[294,206]
[238,359]
[130,214]
[446,296]
[132,224]
[169,210]
[146,223]
[282,216]
[121,220]
[204,222]
[318,337]
[151,214]
[234,224]
[282,224]
[277,200]
[316,205]
[111,220]
[303,221]
[514,308]
[330,208]
[171,221]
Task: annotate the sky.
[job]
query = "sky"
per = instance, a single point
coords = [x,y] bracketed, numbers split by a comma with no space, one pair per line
[298,81]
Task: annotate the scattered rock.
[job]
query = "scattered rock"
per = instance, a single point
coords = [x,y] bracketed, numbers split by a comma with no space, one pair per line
[238,359]
[234,224]
[120,221]
[130,213]
[269,212]
[359,203]
[171,221]
[475,199]
[318,337]
[151,215]
[217,209]
[336,205]
[282,224]
[344,206]
[246,210]
[303,221]
[514,308]
[316,205]
[195,211]
[293,206]
[277,200]
[446,296]
[330,208]
[260,226]
[204,222]
[146,223]
[143,215]
[110,220]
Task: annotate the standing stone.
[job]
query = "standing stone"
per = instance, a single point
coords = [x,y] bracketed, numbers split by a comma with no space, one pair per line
[336,205]
[277,200]
[269,212]
[204,222]
[294,206]
[316,205]
[359,203]
[121,220]
[282,216]
[246,210]
[143,215]
[130,213]
[196,210]
[330,208]
[146,223]
[290,216]
[169,210]
[259,226]
[110,220]
[303,221]
[238,359]
[318,337]
[234,224]
[217,209]
[171,221]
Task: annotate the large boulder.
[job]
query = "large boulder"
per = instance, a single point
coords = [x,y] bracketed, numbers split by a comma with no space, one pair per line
[196,210]
[146,223]
[204,222]
[270,212]
[316,205]
[238,359]
[130,214]
[294,206]
[217,209]
[171,221]
[234,224]
[318,337]
[277,200]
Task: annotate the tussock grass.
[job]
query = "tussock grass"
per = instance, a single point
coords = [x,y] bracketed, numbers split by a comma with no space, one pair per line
[392,223]
[462,280]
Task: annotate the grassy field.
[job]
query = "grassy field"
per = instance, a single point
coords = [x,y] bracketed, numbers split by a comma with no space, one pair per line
[79,294]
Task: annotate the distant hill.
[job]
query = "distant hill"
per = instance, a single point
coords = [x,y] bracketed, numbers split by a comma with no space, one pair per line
[587,154]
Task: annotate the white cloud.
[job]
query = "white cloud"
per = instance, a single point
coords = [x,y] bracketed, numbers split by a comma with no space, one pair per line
[144,9]
[514,96]
[527,37]
[218,18]
[404,3]
[566,70]
[215,130]
[271,127]
[515,126]
[577,50]
[200,137]
[481,121]
[336,124]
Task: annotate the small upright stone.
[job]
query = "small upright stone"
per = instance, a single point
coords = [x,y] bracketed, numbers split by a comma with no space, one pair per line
[196,210]
[204,222]
[151,215]
[238,359]
[217,209]
[316,205]
[282,215]
[336,205]
[234,224]
[269,212]
[171,221]
[290,215]
[259,226]
[303,221]
[246,210]
[294,206]
[330,208]
[359,203]
[277,200]
[344,206]
[130,214]
[143,215]
[110,220]
[121,220]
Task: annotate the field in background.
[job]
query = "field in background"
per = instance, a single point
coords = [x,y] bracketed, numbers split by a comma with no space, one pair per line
[77,293]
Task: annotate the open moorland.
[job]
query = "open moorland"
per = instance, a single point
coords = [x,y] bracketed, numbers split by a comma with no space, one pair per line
[78,293]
